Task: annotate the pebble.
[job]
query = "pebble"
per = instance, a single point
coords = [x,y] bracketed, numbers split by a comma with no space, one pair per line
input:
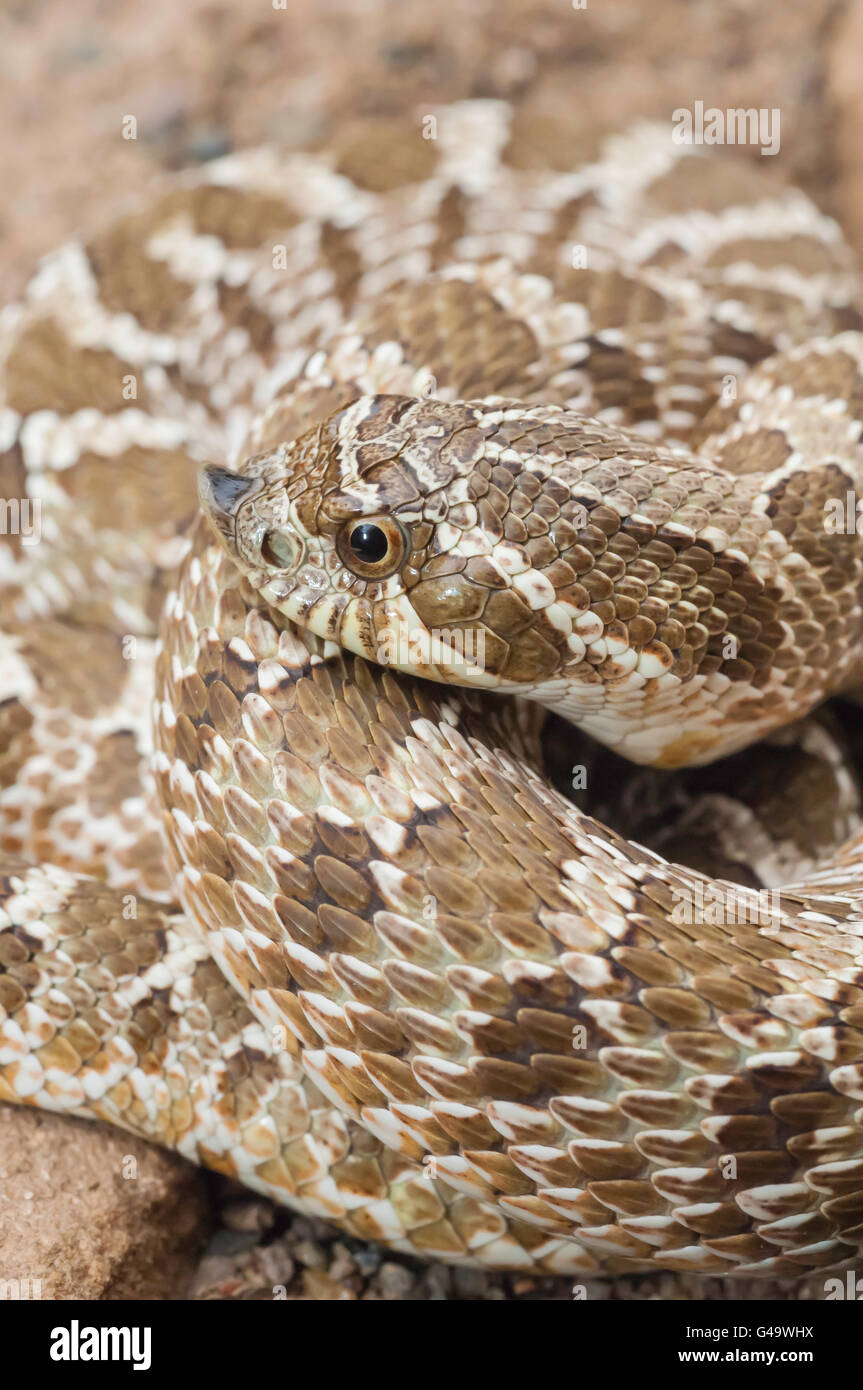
[248,1216]
[226,1242]
[470,1283]
[368,1259]
[438,1282]
[323,1289]
[311,1254]
[343,1267]
[394,1281]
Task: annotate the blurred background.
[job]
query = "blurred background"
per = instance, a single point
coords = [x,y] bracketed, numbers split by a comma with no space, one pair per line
[205,77]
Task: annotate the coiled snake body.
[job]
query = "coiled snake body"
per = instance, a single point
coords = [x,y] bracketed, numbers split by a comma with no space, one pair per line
[473,427]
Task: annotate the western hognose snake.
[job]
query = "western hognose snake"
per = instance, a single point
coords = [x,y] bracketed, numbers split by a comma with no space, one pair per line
[568,434]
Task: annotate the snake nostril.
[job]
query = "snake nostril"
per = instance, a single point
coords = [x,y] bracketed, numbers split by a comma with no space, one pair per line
[278,549]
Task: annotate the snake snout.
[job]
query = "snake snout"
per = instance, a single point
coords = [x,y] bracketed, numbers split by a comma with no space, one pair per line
[222,493]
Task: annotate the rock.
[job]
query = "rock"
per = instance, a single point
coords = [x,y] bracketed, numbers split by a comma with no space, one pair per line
[90,1212]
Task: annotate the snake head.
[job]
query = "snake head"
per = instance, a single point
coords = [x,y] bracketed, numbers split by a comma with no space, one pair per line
[381,530]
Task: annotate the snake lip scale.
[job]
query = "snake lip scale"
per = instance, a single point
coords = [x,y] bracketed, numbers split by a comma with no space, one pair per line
[285,883]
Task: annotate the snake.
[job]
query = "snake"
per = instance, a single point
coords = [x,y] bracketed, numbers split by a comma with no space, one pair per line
[327,476]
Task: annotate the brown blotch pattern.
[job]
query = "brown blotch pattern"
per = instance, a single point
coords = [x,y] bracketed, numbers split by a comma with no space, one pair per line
[460,332]
[45,371]
[147,489]
[381,154]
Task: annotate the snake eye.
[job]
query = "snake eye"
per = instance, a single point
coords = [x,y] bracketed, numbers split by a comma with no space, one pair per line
[372,549]
[368,543]
[278,549]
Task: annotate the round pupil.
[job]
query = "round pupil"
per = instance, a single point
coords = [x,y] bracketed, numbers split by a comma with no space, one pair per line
[369,543]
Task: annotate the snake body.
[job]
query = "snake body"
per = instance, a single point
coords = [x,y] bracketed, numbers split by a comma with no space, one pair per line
[325,924]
